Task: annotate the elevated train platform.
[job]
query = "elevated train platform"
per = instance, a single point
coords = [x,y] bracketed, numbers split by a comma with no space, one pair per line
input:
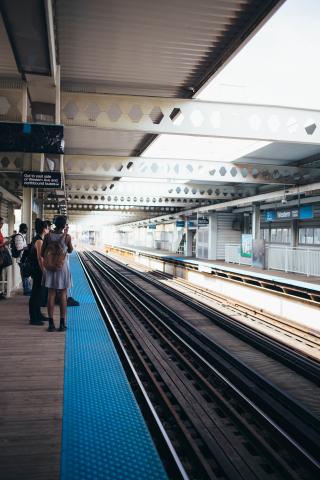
[293,296]
[67,409]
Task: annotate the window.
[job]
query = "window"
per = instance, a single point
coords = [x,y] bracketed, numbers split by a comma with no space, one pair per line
[280,235]
[309,236]
[265,234]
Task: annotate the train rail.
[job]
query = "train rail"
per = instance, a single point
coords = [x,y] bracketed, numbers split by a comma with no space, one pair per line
[298,337]
[225,418]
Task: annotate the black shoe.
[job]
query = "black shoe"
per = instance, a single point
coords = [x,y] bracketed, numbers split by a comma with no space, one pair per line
[38,322]
[62,328]
[51,328]
[27,294]
[71,302]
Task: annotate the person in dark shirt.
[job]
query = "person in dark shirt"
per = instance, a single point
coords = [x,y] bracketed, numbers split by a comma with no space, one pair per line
[36,317]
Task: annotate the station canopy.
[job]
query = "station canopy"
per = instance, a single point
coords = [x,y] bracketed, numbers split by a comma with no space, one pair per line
[166,106]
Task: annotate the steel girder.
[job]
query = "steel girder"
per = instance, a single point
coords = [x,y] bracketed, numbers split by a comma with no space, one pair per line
[190,117]
[164,190]
[195,170]
[176,116]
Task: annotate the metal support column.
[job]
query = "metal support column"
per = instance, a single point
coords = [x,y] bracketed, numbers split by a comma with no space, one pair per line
[256,214]
[213,236]
[189,237]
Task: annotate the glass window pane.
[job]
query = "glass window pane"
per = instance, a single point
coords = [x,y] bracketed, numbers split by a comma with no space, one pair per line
[309,236]
[279,235]
[302,235]
[285,235]
[316,236]
[273,234]
[289,235]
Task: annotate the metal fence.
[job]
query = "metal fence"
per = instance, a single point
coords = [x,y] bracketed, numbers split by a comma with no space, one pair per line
[288,259]
[293,259]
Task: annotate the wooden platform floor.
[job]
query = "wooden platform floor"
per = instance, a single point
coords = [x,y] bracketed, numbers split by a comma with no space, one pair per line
[31,395]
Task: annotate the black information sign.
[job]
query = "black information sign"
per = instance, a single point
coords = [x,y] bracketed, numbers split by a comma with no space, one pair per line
[41,179]
[31,137]
[203,221]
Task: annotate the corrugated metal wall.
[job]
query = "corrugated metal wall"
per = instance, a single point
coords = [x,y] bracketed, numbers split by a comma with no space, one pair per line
[225,233]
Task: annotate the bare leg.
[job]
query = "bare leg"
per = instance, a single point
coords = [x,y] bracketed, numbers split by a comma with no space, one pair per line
[51,299]
[63,303]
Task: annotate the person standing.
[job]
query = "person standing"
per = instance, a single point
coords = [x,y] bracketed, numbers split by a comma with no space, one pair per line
[3,244]
[19,246]
[57,276]
[36,317]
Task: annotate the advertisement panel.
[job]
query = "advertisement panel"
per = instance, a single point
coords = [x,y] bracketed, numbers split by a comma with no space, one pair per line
[246,245]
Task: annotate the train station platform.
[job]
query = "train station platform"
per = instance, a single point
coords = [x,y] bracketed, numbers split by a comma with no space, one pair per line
[67,410]
[276,276]
[284,295]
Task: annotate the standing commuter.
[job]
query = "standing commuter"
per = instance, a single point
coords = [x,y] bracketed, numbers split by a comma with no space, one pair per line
[18,246]
[57,277]
[36,317]
[3,244]
[71,302]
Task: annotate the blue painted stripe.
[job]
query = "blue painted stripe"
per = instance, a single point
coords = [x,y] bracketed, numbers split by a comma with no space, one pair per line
[104,435]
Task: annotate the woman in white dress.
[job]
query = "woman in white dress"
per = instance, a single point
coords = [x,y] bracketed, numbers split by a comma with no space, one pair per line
[57,281]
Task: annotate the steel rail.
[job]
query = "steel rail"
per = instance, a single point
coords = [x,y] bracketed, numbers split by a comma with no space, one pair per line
[178,467]
[307,367]
[292,421]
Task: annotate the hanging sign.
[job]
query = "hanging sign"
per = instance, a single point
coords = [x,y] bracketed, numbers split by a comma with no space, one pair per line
[203,221]
[41,179]
[152,226]
[180,223]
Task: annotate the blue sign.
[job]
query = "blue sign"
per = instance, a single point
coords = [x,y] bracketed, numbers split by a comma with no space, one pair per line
[306,212]
[152,226]
[269,215]
[180,223]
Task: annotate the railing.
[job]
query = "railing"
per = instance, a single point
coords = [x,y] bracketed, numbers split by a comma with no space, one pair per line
[233,255]
[10,279]
[294,259]
[288,259]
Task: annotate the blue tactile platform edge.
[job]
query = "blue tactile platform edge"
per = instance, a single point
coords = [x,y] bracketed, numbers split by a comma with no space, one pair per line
[104,435]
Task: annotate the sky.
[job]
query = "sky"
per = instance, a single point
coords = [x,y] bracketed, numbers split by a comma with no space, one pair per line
[278,66]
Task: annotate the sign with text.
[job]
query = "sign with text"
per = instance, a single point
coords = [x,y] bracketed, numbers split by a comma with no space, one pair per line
[304,212]
[180,223]
[41,179]
[203,221]
[152,226]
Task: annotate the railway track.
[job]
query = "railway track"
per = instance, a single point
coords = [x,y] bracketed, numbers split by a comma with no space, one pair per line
[297,337]
[225,419]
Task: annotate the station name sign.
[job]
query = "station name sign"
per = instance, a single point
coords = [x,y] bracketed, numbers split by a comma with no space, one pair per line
[301,213]
[42,179]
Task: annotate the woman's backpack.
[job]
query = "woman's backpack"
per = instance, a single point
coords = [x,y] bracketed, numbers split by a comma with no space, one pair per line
[53,255]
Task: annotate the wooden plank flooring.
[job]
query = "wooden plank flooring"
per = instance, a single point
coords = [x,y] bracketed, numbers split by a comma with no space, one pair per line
[31,395]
